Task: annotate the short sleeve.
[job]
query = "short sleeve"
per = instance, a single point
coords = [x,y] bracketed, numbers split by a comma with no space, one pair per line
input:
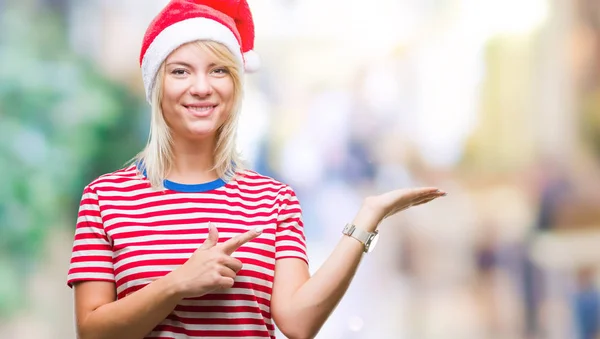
[92,255]
[290,241]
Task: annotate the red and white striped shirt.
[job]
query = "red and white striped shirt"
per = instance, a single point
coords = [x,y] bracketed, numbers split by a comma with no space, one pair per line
[129,234]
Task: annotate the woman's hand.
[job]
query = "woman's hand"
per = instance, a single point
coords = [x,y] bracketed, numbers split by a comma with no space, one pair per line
[381,206]
[211,267]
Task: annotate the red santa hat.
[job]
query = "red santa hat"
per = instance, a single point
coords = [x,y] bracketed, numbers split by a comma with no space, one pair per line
[225,21]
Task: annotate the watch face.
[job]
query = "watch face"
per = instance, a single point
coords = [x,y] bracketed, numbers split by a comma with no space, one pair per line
[373,243]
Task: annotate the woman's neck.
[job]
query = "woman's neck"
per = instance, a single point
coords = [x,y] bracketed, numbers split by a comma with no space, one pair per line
[193,162]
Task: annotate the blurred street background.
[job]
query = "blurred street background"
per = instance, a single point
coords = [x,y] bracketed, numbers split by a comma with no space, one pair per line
[495,101]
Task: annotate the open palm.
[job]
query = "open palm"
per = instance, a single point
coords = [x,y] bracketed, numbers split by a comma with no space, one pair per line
[392,202]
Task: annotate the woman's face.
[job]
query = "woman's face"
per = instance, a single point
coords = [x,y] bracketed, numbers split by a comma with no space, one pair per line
[198,93]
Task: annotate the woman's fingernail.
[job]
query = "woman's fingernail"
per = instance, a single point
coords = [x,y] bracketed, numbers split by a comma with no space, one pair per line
[258,230]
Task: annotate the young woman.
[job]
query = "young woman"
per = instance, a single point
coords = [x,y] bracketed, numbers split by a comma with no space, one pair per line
[185,242]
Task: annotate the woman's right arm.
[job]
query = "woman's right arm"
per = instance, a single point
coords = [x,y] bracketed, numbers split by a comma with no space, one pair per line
[99,315]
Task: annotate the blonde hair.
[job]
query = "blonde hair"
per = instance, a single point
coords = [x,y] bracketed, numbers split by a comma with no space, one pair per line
[155,159]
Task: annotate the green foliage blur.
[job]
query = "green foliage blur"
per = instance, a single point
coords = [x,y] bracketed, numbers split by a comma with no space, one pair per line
[62,123]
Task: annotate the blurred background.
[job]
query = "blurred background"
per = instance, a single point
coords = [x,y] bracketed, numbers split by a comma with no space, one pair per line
[495,101]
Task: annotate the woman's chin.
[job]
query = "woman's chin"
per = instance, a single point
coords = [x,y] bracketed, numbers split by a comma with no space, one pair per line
[202,133]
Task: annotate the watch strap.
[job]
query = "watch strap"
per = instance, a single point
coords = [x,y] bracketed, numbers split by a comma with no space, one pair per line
[359,234]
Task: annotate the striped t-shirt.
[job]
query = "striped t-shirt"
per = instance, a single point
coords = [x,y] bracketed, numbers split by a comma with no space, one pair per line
[130,234]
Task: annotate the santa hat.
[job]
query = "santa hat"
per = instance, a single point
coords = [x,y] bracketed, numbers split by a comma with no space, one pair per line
[225,21]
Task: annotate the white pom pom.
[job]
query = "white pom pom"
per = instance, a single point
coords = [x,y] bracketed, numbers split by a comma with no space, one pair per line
[252,61]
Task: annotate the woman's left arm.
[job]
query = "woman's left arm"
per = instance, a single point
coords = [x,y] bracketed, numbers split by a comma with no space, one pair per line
[301,304]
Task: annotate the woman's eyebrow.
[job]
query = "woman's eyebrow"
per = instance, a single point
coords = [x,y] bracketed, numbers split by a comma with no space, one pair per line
[185,64]
[180,63]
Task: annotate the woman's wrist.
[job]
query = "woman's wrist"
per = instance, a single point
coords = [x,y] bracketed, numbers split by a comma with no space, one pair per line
[367,218]
[172,286]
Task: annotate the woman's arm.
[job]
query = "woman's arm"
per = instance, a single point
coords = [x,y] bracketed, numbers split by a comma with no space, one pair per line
[301,304]
[99,315]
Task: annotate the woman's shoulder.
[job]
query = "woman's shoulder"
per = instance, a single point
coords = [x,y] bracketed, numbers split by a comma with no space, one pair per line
[122,177]
[253,178]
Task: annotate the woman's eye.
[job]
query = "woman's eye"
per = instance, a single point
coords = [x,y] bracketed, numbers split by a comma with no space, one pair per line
[220,71]
[178,72]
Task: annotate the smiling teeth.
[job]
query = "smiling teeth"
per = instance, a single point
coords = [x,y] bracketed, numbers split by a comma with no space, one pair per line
[201,109]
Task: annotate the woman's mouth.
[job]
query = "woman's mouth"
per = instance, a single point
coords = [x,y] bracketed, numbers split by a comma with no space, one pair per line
[201,111]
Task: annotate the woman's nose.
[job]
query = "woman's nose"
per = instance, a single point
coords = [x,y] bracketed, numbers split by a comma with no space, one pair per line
[201,87]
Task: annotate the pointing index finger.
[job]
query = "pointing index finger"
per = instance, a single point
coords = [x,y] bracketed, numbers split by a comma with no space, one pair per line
[236,242]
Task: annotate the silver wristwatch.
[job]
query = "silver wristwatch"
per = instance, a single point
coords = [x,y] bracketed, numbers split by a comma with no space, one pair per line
[369,240]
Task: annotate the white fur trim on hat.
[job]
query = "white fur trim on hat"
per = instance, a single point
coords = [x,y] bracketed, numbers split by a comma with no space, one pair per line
[179,34]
